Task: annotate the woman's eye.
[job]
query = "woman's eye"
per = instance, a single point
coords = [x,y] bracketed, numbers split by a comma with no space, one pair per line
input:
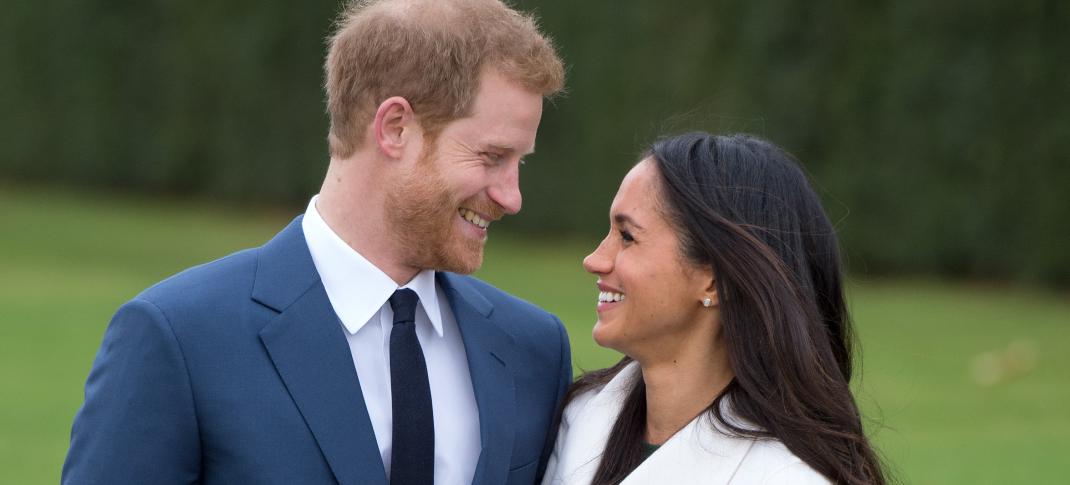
[626,236]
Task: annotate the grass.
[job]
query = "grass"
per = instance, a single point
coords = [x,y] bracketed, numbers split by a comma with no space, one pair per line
[68,261]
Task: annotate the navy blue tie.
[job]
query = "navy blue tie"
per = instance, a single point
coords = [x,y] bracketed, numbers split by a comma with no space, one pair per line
[412,457]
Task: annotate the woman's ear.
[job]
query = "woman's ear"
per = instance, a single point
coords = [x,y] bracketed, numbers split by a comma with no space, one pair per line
[393,125]
[707,283]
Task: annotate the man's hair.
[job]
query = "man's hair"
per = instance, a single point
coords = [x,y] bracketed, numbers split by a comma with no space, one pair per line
[430,52]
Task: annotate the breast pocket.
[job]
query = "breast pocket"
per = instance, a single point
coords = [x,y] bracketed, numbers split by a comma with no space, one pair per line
[523,474]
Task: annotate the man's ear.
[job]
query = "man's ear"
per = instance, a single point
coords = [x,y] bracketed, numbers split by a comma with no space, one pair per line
[394,126]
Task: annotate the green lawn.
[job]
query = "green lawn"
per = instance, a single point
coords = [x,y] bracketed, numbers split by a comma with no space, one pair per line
[67,262]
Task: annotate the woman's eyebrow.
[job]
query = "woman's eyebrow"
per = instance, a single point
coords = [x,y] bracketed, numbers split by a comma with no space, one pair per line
[624,219]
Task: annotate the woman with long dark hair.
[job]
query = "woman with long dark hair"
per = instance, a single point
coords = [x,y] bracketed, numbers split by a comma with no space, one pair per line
[720,282]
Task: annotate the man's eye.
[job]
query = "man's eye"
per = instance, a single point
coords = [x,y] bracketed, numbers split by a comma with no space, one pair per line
[626,236]
[494,157]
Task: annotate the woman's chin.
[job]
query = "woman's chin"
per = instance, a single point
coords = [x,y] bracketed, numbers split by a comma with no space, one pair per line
[599,333]
[604,336]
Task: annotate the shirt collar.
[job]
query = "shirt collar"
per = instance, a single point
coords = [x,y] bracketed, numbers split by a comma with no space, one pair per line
[357,288]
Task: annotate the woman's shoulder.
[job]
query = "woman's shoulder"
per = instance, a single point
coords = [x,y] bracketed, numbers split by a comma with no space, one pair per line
[609,395]
[578,404]
[769,462]
[585,426]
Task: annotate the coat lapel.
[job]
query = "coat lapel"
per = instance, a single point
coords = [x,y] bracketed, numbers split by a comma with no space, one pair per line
[487,347]
[586,427]
[699,454]
[308,347]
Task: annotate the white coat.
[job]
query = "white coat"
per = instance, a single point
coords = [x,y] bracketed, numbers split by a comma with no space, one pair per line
[697,454]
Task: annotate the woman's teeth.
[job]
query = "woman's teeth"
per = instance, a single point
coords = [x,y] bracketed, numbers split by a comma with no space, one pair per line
[609,296]
[473,218]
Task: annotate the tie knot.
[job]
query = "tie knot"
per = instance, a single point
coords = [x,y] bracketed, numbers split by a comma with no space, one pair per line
[403,302]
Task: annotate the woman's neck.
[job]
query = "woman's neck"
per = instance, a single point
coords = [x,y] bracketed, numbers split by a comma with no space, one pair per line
[679,389]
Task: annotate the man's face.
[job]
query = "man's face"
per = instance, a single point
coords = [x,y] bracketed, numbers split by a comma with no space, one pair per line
[465,179]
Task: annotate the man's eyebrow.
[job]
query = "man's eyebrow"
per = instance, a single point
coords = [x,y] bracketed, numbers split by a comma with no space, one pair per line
[623,219]
[503,147]
[500,147]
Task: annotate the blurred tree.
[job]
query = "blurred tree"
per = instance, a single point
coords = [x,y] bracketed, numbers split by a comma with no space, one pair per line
[936,131]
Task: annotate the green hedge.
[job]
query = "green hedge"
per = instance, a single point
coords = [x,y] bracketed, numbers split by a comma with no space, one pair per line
[939,132]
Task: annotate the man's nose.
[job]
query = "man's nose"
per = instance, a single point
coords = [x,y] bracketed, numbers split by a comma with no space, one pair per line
[506,190]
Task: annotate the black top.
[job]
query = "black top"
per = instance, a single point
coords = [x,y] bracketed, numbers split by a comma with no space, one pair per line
[649,449]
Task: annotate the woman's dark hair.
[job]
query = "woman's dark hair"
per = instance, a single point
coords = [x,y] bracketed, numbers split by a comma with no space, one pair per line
[743,206]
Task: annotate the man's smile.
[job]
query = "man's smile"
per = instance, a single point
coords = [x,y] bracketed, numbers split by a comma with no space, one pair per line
[472,217]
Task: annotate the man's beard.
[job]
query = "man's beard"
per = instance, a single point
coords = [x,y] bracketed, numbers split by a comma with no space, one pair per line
[421,212]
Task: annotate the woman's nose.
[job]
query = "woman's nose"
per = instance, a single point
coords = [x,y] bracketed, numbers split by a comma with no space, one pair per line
[598,262]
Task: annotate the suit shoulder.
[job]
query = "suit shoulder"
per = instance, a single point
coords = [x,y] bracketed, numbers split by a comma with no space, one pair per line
[531,327]
[501,300]
[221,280]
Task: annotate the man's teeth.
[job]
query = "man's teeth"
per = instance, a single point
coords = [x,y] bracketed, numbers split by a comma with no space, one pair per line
[473,218]
[609,296]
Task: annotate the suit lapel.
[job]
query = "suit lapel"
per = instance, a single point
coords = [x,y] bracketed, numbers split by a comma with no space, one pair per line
[308,347]
[487,347]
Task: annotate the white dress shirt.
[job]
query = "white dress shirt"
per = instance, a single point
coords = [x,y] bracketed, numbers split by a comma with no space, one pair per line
[360,294]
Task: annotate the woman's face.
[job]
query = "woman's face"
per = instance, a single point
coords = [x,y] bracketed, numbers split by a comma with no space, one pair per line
[650,298]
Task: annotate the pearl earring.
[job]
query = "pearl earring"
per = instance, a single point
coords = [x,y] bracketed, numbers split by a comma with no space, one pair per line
[706,302]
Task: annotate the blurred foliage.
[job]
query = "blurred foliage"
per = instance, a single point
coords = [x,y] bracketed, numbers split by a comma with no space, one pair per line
[936,131]
[959,384]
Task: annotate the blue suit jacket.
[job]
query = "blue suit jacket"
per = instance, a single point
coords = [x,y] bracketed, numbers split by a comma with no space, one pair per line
[238,372]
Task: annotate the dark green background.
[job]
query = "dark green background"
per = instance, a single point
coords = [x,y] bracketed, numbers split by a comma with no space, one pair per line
[938,132]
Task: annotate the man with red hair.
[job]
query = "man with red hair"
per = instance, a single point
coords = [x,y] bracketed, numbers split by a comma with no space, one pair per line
[352,348]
